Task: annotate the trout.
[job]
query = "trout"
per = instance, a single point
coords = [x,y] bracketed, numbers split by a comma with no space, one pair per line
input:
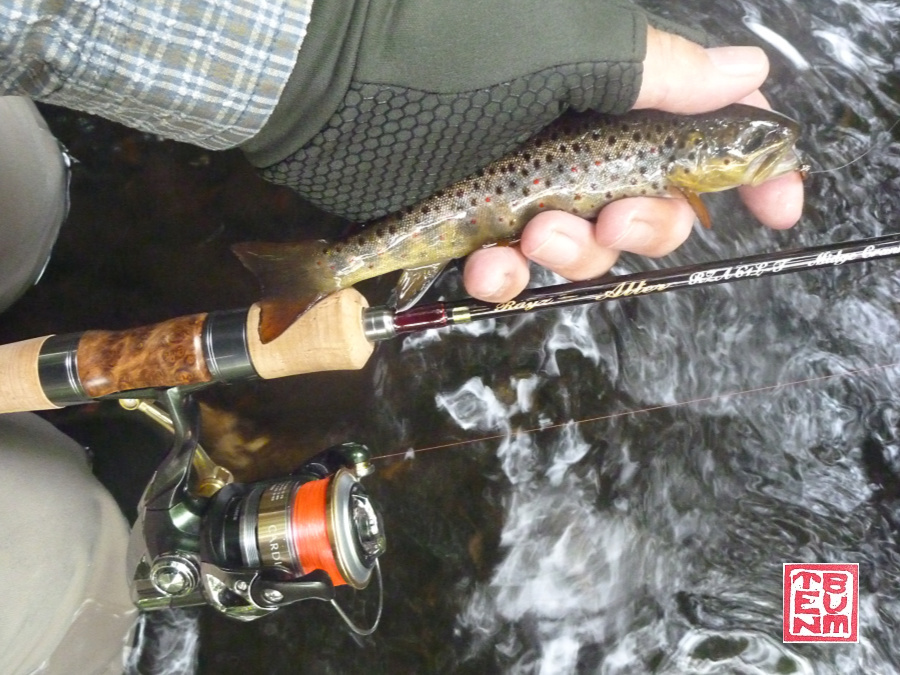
[578,164]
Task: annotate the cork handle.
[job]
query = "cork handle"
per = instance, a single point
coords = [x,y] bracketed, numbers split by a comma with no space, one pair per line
[20,384]
[328,337]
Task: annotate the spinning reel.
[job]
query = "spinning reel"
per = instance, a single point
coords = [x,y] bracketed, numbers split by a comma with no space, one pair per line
[249,549]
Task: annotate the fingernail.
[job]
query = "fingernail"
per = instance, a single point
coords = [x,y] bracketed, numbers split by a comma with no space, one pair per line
[557,250]
[738,61]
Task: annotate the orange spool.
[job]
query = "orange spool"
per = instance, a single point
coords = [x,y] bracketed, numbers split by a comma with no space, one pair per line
[309,520]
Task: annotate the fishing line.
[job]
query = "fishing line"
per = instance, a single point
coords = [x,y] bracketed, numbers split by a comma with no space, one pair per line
[865,154]
[639,411]
[309,520]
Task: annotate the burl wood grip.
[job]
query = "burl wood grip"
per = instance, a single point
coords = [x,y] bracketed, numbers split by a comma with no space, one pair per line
[328,337]
[162,355]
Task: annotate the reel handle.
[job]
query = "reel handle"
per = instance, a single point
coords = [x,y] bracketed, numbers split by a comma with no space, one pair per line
[53,371]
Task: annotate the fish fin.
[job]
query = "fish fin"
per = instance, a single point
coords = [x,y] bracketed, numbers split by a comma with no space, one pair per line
[414,282]
[276,315]
[291,281]
[287,270]
[697,204]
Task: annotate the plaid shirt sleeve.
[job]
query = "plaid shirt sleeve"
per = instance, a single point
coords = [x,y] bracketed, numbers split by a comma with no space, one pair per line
[207,72]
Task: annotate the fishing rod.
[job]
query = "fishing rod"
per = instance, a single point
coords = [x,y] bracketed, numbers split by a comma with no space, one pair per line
[337,334]
[202,538]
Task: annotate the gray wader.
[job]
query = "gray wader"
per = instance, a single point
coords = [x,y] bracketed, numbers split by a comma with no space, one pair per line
[64,603]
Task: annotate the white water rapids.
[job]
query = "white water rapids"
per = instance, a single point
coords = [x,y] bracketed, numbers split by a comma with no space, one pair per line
[654,542]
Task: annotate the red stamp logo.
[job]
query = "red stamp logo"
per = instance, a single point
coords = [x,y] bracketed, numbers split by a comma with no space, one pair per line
[821,602]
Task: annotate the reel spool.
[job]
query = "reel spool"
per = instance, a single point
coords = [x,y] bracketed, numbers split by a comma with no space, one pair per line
[293,527]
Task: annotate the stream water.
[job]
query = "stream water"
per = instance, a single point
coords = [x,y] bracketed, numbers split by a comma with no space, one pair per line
[631,509]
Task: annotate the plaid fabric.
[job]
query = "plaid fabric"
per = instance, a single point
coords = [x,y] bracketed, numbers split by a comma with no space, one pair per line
[207,72]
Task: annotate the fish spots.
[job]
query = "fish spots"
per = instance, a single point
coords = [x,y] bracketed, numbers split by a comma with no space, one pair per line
[611,140]
[637,137]
[487,199]
[537,181]
[526,191]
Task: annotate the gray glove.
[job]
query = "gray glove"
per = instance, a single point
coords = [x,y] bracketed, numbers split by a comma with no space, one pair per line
[392,100]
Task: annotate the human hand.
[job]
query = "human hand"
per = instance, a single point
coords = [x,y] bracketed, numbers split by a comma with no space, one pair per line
[680,77]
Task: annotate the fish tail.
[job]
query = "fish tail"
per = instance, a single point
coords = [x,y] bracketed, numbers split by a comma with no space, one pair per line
[292,281]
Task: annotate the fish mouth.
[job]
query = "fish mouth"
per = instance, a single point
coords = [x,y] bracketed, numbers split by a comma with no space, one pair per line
[772,165]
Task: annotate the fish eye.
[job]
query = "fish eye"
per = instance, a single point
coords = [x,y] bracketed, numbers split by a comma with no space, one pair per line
[756,140]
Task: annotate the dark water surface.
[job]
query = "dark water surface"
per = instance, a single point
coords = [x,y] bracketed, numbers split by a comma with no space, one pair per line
[640,543]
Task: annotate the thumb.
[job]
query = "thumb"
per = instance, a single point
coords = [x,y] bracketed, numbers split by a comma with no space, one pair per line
[680,76]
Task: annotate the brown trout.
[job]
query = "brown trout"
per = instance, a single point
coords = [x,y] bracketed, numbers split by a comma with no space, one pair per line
[578,164]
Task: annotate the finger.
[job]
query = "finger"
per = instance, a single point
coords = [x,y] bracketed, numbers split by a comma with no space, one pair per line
[680,76]
[495,274]
[566,245]
[777,203]
[649,226]
[756,98]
